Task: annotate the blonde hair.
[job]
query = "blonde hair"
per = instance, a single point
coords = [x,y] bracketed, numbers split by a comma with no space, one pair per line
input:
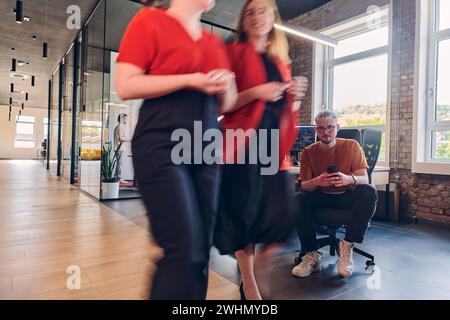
[278,44]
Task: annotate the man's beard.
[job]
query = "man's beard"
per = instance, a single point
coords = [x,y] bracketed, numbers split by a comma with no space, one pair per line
[326,142]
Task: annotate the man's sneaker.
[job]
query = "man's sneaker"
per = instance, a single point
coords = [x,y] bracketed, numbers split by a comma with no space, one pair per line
[345,264]
[310,263]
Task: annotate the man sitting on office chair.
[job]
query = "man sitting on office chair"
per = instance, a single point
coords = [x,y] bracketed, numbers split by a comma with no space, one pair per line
[346,188]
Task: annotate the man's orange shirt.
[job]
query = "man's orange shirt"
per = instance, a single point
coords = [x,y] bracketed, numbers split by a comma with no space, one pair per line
[347,154]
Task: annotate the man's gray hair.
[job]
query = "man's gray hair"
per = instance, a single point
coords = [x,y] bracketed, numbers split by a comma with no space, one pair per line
[326,114]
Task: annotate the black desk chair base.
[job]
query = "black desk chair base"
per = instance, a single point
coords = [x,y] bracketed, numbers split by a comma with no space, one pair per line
[333,241]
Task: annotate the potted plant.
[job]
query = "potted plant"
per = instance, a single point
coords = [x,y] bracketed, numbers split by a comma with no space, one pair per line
[110,180]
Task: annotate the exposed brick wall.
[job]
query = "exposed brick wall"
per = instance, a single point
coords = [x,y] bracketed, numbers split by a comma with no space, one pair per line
[422,196]
[425,196]
[302,57]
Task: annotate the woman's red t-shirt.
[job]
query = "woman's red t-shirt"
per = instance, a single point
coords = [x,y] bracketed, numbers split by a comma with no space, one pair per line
[159,44]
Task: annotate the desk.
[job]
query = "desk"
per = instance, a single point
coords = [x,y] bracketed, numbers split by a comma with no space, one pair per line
[380,179]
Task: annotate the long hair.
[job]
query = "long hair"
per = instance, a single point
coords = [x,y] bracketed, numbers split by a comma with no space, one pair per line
[278,44]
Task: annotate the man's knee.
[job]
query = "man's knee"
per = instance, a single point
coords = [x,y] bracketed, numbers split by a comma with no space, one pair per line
[368,191]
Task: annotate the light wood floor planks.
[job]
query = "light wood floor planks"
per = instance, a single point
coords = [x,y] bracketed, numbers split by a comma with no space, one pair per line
[47,225]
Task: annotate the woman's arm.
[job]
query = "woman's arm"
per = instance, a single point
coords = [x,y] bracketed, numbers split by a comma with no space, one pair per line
[133,83]
[227,99]
[245,97]
[272,91]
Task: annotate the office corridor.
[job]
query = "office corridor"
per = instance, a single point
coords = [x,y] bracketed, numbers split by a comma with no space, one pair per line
[46,225]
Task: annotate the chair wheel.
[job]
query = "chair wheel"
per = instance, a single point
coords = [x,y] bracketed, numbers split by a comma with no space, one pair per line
[370,266]
[370,262]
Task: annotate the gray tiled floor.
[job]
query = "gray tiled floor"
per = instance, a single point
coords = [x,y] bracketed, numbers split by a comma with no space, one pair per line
[413,261]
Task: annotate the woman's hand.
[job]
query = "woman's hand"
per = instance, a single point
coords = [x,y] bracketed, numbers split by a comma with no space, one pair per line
[272,91]
[215,82]
[299,87]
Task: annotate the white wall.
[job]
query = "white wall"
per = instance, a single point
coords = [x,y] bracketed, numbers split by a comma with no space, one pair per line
[8,132]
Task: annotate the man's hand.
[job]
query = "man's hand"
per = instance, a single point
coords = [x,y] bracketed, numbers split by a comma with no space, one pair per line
[324,180]
[340,180]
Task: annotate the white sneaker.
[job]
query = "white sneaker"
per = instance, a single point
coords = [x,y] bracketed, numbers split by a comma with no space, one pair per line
[310,263]
[345,264]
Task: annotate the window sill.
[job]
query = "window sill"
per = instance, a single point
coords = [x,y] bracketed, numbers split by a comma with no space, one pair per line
[381,169]
[431,168]
[24,146]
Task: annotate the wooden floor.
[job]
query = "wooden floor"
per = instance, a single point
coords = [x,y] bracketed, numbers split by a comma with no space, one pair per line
[46,226]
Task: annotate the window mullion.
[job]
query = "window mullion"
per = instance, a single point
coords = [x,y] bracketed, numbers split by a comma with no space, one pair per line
[358,56]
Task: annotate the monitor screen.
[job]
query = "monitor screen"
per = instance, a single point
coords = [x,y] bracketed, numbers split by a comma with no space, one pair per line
[306,136]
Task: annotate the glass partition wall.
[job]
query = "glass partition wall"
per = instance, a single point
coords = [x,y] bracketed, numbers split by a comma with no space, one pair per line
[86,116]
[119,120]
[92,103]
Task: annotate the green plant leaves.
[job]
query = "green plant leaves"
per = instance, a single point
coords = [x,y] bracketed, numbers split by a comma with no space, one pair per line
[110,159]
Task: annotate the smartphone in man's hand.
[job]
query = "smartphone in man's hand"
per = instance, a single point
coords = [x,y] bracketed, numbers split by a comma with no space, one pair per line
[333,169]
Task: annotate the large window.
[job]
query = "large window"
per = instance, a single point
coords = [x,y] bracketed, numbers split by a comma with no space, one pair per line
[431,118]
[437,146]
[443,14]
[24,132]
[45,123]
[355,75]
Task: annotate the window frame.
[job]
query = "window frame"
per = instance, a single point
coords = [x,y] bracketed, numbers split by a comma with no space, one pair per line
[432,124]
[419,161]
[322,96]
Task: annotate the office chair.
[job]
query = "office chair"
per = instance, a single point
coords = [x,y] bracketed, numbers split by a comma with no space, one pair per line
[329,221]
[371,144]
[354,134]
[369,140]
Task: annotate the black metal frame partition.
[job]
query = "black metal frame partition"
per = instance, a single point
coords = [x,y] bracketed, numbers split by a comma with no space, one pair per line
[73,152]
[60,97]
[48,122]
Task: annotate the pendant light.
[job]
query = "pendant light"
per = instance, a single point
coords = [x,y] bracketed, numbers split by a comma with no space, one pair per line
[45,44]
[45,50]
[19,11]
